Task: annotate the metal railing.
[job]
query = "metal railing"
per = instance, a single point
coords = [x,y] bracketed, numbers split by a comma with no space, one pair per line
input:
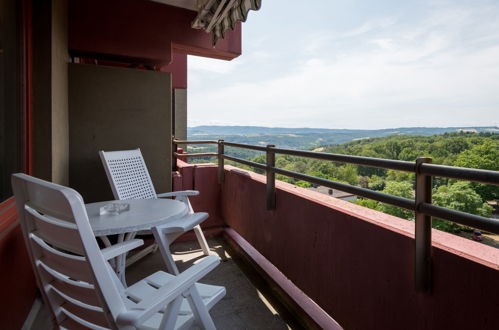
[422,204]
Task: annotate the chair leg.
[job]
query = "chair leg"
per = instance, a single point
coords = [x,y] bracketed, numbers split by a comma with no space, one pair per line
[171,314]
[202,240]
[199,309]
[107,243]
[164,248]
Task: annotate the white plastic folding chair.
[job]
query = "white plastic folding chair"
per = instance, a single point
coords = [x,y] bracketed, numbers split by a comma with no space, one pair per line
[79,286]
[129,178]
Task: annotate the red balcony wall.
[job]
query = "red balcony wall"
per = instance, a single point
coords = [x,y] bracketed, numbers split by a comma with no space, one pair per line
[16,276]
[357,264]
[201,177]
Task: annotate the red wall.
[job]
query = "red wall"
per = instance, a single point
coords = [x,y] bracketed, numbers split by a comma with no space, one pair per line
[357,264]
[16,276]
[18,283]
[201,177]
[141,31]
[178,69]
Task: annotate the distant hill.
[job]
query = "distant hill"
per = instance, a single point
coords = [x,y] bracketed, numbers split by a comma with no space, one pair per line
[306,138]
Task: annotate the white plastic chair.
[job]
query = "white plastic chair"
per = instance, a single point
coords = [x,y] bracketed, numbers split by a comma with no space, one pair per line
[79,286]
[129,178]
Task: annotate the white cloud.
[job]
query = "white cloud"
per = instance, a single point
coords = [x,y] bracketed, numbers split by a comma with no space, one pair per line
[200,64]
[369,26]
[441,70]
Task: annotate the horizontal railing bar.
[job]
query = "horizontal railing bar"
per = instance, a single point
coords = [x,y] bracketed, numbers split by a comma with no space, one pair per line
[358,160]
[195,141]
[192,155]
[452,172]
[462,173]
[462,218]
[379,196]
[246,162]
[244,146]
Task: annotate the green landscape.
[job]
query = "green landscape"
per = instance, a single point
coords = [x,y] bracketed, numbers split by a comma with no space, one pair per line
[472,147]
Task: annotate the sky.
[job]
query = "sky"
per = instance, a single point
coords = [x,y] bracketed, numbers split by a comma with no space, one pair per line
[355,64]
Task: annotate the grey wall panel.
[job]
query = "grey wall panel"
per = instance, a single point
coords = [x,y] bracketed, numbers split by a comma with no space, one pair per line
[115,109]
[180,114]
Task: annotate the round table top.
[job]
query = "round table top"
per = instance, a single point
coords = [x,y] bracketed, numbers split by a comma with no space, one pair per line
[142,215]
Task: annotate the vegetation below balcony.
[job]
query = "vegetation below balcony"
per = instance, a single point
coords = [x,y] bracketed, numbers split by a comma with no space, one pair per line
[463,149]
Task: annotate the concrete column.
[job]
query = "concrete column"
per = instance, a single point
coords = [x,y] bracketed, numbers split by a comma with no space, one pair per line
[50,91]
[60,123]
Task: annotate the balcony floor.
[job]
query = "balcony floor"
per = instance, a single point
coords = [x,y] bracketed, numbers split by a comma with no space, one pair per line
[243,307]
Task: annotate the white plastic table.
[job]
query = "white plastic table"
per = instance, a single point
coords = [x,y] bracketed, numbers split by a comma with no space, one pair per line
[142,215]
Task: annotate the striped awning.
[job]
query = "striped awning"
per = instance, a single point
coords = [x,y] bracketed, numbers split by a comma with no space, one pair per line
[218,16]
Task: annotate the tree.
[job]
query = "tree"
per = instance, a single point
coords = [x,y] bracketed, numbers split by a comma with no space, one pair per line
[459,196]
[393,149]
[393,175]
[484,156]
[348,173]
[401,189]
[376,183]
[369,203]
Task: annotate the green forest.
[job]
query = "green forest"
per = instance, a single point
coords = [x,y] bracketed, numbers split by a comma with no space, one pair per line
[473,150]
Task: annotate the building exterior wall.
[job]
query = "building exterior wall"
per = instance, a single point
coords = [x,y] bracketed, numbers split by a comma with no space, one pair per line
[178,69]
[144,32]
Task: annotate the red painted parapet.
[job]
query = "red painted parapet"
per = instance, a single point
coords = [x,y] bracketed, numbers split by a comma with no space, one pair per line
[357,263]
[202,177]
[141,31]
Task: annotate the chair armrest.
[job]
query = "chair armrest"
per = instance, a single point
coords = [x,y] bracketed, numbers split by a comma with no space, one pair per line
[182,224]
[120,248]
[179,193]
[167,293]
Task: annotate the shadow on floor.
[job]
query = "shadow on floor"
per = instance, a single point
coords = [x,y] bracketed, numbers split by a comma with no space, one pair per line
[243,307]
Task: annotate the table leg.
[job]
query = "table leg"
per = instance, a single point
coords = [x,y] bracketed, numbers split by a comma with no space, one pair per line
[120,262]
[121,259]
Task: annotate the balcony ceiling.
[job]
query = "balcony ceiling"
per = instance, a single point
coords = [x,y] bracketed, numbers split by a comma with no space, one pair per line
[216,16]
[186,4]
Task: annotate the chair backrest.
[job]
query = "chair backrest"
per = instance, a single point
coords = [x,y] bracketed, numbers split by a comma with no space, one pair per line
[127,173]
[75,280]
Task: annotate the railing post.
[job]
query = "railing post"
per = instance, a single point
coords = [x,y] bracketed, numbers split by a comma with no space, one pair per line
[174,150]
[423,230]
[270,177]
[221,173]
